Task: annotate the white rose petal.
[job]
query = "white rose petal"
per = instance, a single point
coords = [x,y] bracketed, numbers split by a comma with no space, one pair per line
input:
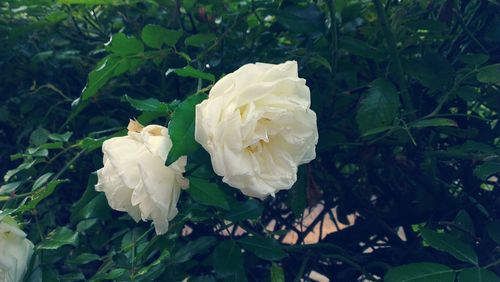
[135,179]
[258,127]
[15,252]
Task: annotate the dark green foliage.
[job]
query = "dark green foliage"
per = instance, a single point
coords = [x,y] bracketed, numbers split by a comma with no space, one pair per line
[407,99]
[181,128]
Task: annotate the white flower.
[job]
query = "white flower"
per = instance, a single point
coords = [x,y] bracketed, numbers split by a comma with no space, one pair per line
[135,178]
[15,251]
[257,127]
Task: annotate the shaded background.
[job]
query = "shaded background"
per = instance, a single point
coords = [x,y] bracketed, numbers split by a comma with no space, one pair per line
[407,98]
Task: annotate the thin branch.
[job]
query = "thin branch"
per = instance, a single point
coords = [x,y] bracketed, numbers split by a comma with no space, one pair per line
[393,51]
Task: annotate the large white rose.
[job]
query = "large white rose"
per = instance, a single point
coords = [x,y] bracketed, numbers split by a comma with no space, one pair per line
[15,252]
[135,178]
[257,127]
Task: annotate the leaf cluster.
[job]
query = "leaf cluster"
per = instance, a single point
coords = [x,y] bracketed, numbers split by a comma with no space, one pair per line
[404,186]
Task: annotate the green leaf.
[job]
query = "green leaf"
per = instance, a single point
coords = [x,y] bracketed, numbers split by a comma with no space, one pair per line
[192,248]
[111,275]
[432,71]
[152,35]
[148,117]
[277,274]
[317,59]
[60,237]
[297,195]
[155,36]
[468,93]
[145,272]
[98,2]
[181,128]
[101,74]
[464,221]
[41,194]
[250,209]
[189,71]
[149,105]
[91,205]
[238,276]
[55,145]
[433,122]
[360,48]
[41,180]
[207,193]
[83,258]
[420,272]
[88,194]
[171,37]
[64,137]
[228,258]
[37,152]
[487,169]
[21,167]
[121,44]
[378,130]
[86,224]
[200,39]
[477,275]
[264,248]
[90,144]
[188,4]
[474,59]
[494,230]
[9,188]
[39,136]
[379,107]
[95,208]
[489,74]
[450,244]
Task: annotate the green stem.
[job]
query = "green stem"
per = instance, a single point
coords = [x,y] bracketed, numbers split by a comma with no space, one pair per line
[492,264]
[393,51]
[108,261]
[455,86]
[68,164]
[468,32]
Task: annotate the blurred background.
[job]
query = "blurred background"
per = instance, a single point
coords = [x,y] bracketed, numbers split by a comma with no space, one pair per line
[407,99]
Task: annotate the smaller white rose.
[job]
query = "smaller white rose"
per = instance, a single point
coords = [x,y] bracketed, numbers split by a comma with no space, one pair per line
[15,252]
[135,178]
[258,127]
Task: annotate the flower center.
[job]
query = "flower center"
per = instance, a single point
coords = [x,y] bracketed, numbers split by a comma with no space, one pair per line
[261,130]
[256,147]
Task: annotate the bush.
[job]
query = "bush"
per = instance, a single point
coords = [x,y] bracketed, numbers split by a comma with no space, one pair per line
[404,184]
